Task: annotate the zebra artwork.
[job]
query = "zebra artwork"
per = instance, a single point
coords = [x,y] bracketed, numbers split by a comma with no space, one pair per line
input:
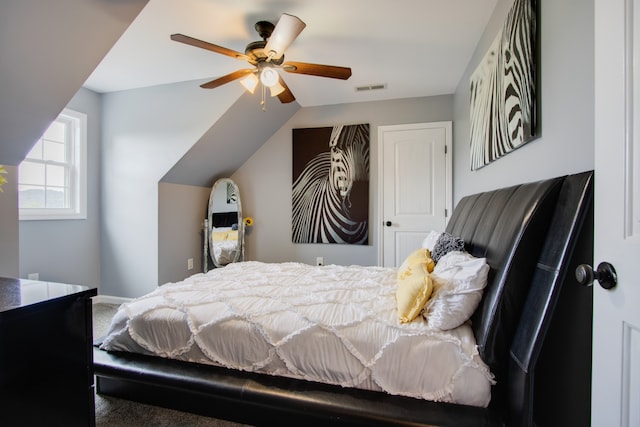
[330,197]
[503,89]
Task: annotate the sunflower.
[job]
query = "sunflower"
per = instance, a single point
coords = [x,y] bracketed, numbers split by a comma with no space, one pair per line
[3,180]
[248,221]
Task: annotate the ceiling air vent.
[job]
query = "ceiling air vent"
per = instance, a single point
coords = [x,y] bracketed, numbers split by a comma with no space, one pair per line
[371,87]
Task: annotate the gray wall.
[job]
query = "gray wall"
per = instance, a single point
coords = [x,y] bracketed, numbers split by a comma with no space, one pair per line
[71,37]
[265,179]
[181,212]
[9,237]
[566,77]
[68,251]
[146,131]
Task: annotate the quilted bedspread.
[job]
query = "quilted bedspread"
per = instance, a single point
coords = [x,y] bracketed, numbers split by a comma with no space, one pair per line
[331,324]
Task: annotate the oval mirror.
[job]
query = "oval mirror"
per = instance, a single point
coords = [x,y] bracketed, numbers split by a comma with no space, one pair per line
[226,229]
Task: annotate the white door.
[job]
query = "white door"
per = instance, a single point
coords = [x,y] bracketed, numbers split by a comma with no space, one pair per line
[415,171]
[616,332]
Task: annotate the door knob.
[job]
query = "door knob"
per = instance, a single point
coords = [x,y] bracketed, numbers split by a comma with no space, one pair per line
[605,275]
[388,223]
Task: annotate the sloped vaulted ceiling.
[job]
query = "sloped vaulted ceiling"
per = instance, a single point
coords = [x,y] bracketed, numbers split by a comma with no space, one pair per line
[47,50]
[239,133]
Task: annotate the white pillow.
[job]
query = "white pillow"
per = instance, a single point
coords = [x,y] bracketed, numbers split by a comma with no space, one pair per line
[458,281]
[430,241]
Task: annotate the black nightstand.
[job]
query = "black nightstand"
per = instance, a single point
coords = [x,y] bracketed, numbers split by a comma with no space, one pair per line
[46,357]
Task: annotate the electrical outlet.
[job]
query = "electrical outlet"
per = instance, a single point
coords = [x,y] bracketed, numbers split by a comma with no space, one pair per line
[319,260]
[33,276]
[190,264]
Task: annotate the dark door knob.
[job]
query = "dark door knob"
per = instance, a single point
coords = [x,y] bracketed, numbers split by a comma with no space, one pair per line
[605,275]
[388,223]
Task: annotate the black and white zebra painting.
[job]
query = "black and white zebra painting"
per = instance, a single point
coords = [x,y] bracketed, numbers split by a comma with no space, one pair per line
[330,198]
[503,99]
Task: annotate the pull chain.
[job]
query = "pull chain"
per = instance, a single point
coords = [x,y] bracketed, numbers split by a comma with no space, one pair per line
[263,103]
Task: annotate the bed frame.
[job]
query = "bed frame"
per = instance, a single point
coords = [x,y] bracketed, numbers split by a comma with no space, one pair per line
[533,328]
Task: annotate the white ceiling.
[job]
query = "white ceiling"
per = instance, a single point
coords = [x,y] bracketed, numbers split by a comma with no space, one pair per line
[415,47]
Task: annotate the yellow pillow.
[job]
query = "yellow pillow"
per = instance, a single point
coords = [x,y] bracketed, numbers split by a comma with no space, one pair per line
[232,235]
[218,236]
[414,284]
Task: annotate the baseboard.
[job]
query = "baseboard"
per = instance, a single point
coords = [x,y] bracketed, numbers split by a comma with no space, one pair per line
[107,299]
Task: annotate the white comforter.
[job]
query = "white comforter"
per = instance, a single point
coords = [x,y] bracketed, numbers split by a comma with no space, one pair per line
[331,324]
[224,252]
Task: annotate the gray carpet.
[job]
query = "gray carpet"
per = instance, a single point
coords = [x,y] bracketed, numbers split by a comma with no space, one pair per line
[114,412]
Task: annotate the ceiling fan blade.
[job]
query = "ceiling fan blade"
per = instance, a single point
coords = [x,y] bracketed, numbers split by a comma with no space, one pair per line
[286,95]
[208,46]
[331,71]
[285,32]
[226,79]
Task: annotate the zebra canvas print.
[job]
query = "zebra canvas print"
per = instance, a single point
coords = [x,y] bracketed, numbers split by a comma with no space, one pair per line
[503,89]
[330,197]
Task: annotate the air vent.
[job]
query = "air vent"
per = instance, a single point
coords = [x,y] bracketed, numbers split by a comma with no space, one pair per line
[371,87]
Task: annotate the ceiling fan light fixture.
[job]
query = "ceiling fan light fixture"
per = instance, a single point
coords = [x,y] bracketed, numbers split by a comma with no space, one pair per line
[285,32]
[250,82]
[276,89]
[269,76]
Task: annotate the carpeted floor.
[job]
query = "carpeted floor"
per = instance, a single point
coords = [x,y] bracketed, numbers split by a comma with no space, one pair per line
[114,412]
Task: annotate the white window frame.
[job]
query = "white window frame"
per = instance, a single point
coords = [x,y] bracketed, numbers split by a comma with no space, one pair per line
[78,175]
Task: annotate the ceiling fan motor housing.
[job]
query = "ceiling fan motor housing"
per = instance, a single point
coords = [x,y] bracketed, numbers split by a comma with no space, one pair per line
[264,29]
[255,51]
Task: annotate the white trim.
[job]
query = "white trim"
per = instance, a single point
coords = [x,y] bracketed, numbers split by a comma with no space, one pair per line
[79,200]
[447,125]
[632,118]
[630,377]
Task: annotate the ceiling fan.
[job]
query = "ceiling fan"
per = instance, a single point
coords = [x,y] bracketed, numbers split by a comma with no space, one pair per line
[267,56]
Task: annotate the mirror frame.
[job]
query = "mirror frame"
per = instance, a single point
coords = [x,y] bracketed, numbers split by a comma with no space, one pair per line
[239,255]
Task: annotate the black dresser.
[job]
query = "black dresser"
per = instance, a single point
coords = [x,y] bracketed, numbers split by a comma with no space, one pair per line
[46,358]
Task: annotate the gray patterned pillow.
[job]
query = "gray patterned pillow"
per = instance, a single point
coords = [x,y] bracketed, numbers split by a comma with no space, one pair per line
[446,243]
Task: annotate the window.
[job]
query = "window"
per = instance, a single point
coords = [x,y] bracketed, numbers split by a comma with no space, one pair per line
[52,178]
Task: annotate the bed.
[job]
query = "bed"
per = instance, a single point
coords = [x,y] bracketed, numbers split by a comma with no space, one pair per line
[531,236]
[222,233]
[223,246]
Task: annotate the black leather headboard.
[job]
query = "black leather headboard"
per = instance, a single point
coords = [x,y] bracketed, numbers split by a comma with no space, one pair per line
[558,314]
[528,234]
[507,226]
[224,219]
